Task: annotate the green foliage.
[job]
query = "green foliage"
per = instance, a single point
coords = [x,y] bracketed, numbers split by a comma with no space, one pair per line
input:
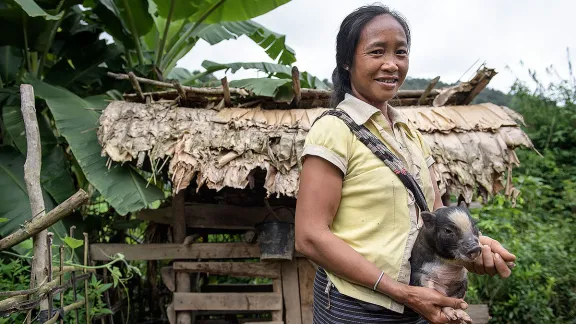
[541,228]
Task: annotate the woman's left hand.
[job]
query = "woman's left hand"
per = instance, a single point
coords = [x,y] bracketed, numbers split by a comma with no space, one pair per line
[495,259]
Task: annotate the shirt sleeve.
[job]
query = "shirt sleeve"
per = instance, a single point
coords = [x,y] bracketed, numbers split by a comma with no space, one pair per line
[425,149]
[328,139]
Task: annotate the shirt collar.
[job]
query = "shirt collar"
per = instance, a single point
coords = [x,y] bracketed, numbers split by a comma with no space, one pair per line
[361,111]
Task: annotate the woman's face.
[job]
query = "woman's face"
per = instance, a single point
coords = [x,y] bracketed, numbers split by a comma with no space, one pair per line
[380,61]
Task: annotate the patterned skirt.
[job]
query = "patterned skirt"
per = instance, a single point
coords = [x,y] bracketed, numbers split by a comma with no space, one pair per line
[332,307]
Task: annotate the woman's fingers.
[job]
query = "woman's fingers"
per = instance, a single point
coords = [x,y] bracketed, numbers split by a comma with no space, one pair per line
[496,247]
[501,266]
[488,260]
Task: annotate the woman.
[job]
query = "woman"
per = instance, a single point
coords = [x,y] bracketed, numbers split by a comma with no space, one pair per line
[354,217]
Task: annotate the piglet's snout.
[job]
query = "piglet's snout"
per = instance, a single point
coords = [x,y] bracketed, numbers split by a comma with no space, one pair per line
[474,252]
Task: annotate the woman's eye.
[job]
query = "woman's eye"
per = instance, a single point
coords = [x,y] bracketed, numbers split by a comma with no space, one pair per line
[377,52]
[402,52]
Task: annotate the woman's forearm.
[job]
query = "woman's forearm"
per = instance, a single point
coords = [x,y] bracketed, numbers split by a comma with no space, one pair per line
[336,256]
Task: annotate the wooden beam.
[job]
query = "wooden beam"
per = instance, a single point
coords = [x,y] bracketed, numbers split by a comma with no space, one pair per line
[44,220]
[238,288]
[291,292]
[241,269]
[215,216]
[240,321]
[426,93]
[131,252]
[476,90]
[227,301]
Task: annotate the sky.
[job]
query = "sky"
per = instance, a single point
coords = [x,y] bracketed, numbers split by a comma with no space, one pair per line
[448,38]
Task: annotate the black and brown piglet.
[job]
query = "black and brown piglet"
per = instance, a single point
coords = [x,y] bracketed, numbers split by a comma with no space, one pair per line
[448,240]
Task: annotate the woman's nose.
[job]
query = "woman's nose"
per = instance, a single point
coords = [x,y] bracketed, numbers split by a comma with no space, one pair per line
[389,66]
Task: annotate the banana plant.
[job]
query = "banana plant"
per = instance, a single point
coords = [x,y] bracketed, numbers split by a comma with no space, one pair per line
[65,50]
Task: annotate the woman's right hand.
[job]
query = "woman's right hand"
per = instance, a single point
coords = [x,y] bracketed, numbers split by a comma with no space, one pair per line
[429,302]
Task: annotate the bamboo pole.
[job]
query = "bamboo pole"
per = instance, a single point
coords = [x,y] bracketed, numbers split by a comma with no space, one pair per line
[43,221]
[32,168]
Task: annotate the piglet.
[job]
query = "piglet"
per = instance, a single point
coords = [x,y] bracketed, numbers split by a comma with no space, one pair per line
[448,239]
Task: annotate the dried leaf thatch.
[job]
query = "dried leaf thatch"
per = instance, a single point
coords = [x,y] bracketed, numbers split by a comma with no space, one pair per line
[472,145]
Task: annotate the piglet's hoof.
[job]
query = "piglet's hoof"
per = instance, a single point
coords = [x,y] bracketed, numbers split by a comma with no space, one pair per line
[450,313]
[463,316]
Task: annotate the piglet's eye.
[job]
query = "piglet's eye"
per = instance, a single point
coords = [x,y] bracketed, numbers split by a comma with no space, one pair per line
[448,231]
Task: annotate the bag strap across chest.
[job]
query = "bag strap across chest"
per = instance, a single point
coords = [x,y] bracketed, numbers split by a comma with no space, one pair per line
[379,149]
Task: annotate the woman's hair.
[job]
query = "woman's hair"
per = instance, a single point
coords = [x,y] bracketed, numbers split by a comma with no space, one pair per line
[347,40]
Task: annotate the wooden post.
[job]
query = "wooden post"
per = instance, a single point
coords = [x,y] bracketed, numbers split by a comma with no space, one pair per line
[86,302]
[61,280]
[226,90]
[49,237]
[296,86]
[291,292]
[73,276]
[306,274]
[136,85]
[424,96]
[32,168]
[181,91]
[179,229]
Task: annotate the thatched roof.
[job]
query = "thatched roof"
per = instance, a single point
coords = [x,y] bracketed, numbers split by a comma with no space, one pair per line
[473,145]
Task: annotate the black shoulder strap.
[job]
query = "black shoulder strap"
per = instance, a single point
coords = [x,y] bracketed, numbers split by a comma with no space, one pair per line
[383,153]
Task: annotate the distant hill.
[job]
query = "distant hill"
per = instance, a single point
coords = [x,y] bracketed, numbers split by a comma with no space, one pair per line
[487,95]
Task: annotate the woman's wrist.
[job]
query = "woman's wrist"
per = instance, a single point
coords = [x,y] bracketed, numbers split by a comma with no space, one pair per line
[395,290]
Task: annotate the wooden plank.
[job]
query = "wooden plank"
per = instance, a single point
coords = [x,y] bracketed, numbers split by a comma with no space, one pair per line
[479,313]
[277,288]
[131,252]
[240,269]
[306,274]
[237,288]
[240,321]
[227,301]
[291,292]
[215,216]
[424,96]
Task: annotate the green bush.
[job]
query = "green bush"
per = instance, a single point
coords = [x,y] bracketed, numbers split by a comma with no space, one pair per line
[541,228]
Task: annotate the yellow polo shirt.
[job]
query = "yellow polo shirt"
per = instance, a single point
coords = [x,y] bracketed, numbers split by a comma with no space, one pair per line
[377,214]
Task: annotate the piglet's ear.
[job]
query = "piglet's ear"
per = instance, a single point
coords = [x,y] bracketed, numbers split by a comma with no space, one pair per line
[428,218]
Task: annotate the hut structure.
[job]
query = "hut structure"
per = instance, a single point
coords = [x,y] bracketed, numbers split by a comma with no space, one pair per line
[233,160]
